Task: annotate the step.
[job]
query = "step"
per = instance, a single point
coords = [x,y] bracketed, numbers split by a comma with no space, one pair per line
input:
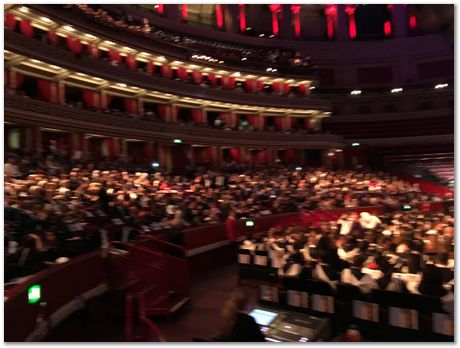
[166,305]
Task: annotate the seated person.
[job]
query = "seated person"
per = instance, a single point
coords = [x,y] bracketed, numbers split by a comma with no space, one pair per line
[293,266]
[386,280]
[325,269]
[237,325]
[356,277]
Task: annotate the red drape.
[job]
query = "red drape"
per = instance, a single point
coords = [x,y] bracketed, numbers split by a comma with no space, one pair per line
[166,71]
[10,21]
[161,108]
[182,73]
[262,122]
[26,28]
[74,45]
[197,77]
[110,146]
[114,56]
[150,67]
[250,85]
[131,62]
[276,87]
[235,154]
[130,106]
[286,88]
[197,115]
[263,156]
[91,99]
[228,82]
[48,91]
[253,120]
[212,79]
[303,89]
[278,121]
[52,37]
[260,85]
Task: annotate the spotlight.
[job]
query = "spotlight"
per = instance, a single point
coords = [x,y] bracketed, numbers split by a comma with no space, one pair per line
[355,92]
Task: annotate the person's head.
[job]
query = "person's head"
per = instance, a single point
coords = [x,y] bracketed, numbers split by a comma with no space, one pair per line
[358,260]
[236,302]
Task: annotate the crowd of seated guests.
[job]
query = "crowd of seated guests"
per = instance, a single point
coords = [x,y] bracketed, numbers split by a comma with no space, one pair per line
[410,252]
[229,53]
[50,202]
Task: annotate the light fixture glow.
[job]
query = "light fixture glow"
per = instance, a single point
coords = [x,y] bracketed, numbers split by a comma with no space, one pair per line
[355,92]
[396,90]
[441,85]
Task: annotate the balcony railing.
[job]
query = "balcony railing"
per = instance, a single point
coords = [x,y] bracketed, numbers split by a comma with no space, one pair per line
[23,110]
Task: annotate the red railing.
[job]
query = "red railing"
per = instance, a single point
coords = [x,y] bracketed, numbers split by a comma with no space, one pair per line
[60,285]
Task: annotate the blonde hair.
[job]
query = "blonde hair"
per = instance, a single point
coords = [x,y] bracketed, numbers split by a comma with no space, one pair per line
[236,302]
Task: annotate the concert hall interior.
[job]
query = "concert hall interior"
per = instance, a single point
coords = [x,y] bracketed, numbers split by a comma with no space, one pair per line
[228,172]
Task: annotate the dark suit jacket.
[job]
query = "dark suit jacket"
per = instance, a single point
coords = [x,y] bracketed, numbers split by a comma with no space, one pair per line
[246,330]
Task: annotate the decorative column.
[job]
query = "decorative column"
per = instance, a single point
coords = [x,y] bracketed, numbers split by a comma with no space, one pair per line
[242,16]
[350,11]
[275,9]
[295,9]
[399,20]
[331,14]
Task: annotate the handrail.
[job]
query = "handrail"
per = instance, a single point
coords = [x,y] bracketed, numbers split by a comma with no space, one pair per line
[161,242]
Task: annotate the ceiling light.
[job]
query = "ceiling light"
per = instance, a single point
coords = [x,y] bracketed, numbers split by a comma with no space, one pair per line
[244,58]
[272,36]
[35,61]
[45,19]
[24,9]
[396,90]
[55,67]
[261,35]
[312,87]
[248,28]
[221,62]
[81,74]
[330,154]
[355,92]
[441,85]
[89,36]
[355,144]
[68,28]
[109,42]
[339,150]
[162,58]
[121,84]
[269,69]
[145,54]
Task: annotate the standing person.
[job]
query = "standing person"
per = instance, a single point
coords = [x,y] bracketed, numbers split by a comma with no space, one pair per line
[237,325]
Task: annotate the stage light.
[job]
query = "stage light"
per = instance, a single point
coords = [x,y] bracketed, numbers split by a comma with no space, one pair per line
[355,144]
[355,92]
[441,85]
[177,141]
[155,164]
[396,90]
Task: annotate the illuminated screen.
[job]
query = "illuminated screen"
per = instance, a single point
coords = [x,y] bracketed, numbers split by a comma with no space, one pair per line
[263,317]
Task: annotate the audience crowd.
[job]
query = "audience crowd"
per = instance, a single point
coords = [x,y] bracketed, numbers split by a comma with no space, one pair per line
[58,207]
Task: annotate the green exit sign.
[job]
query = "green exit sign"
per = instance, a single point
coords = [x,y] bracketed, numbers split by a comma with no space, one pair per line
[34,294]
[250,223]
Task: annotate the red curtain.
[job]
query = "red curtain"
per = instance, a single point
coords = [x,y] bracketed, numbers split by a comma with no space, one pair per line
[114,56]
[53,38]
[197,116]
[263,156]
[287,88]
[26,28]
[48,90]
[130,106]
[182,73]
[161,108]
[131,62]
[278,121]
[228,82]
[110,146]
[197,77]
[250,85]
[212,79]
[74,45]
[91,99]
[252,120]
[303,89]
[166,71]
[150,67]
[10,21]
[235,154]
[93,51]
[262,122]
[260,86]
